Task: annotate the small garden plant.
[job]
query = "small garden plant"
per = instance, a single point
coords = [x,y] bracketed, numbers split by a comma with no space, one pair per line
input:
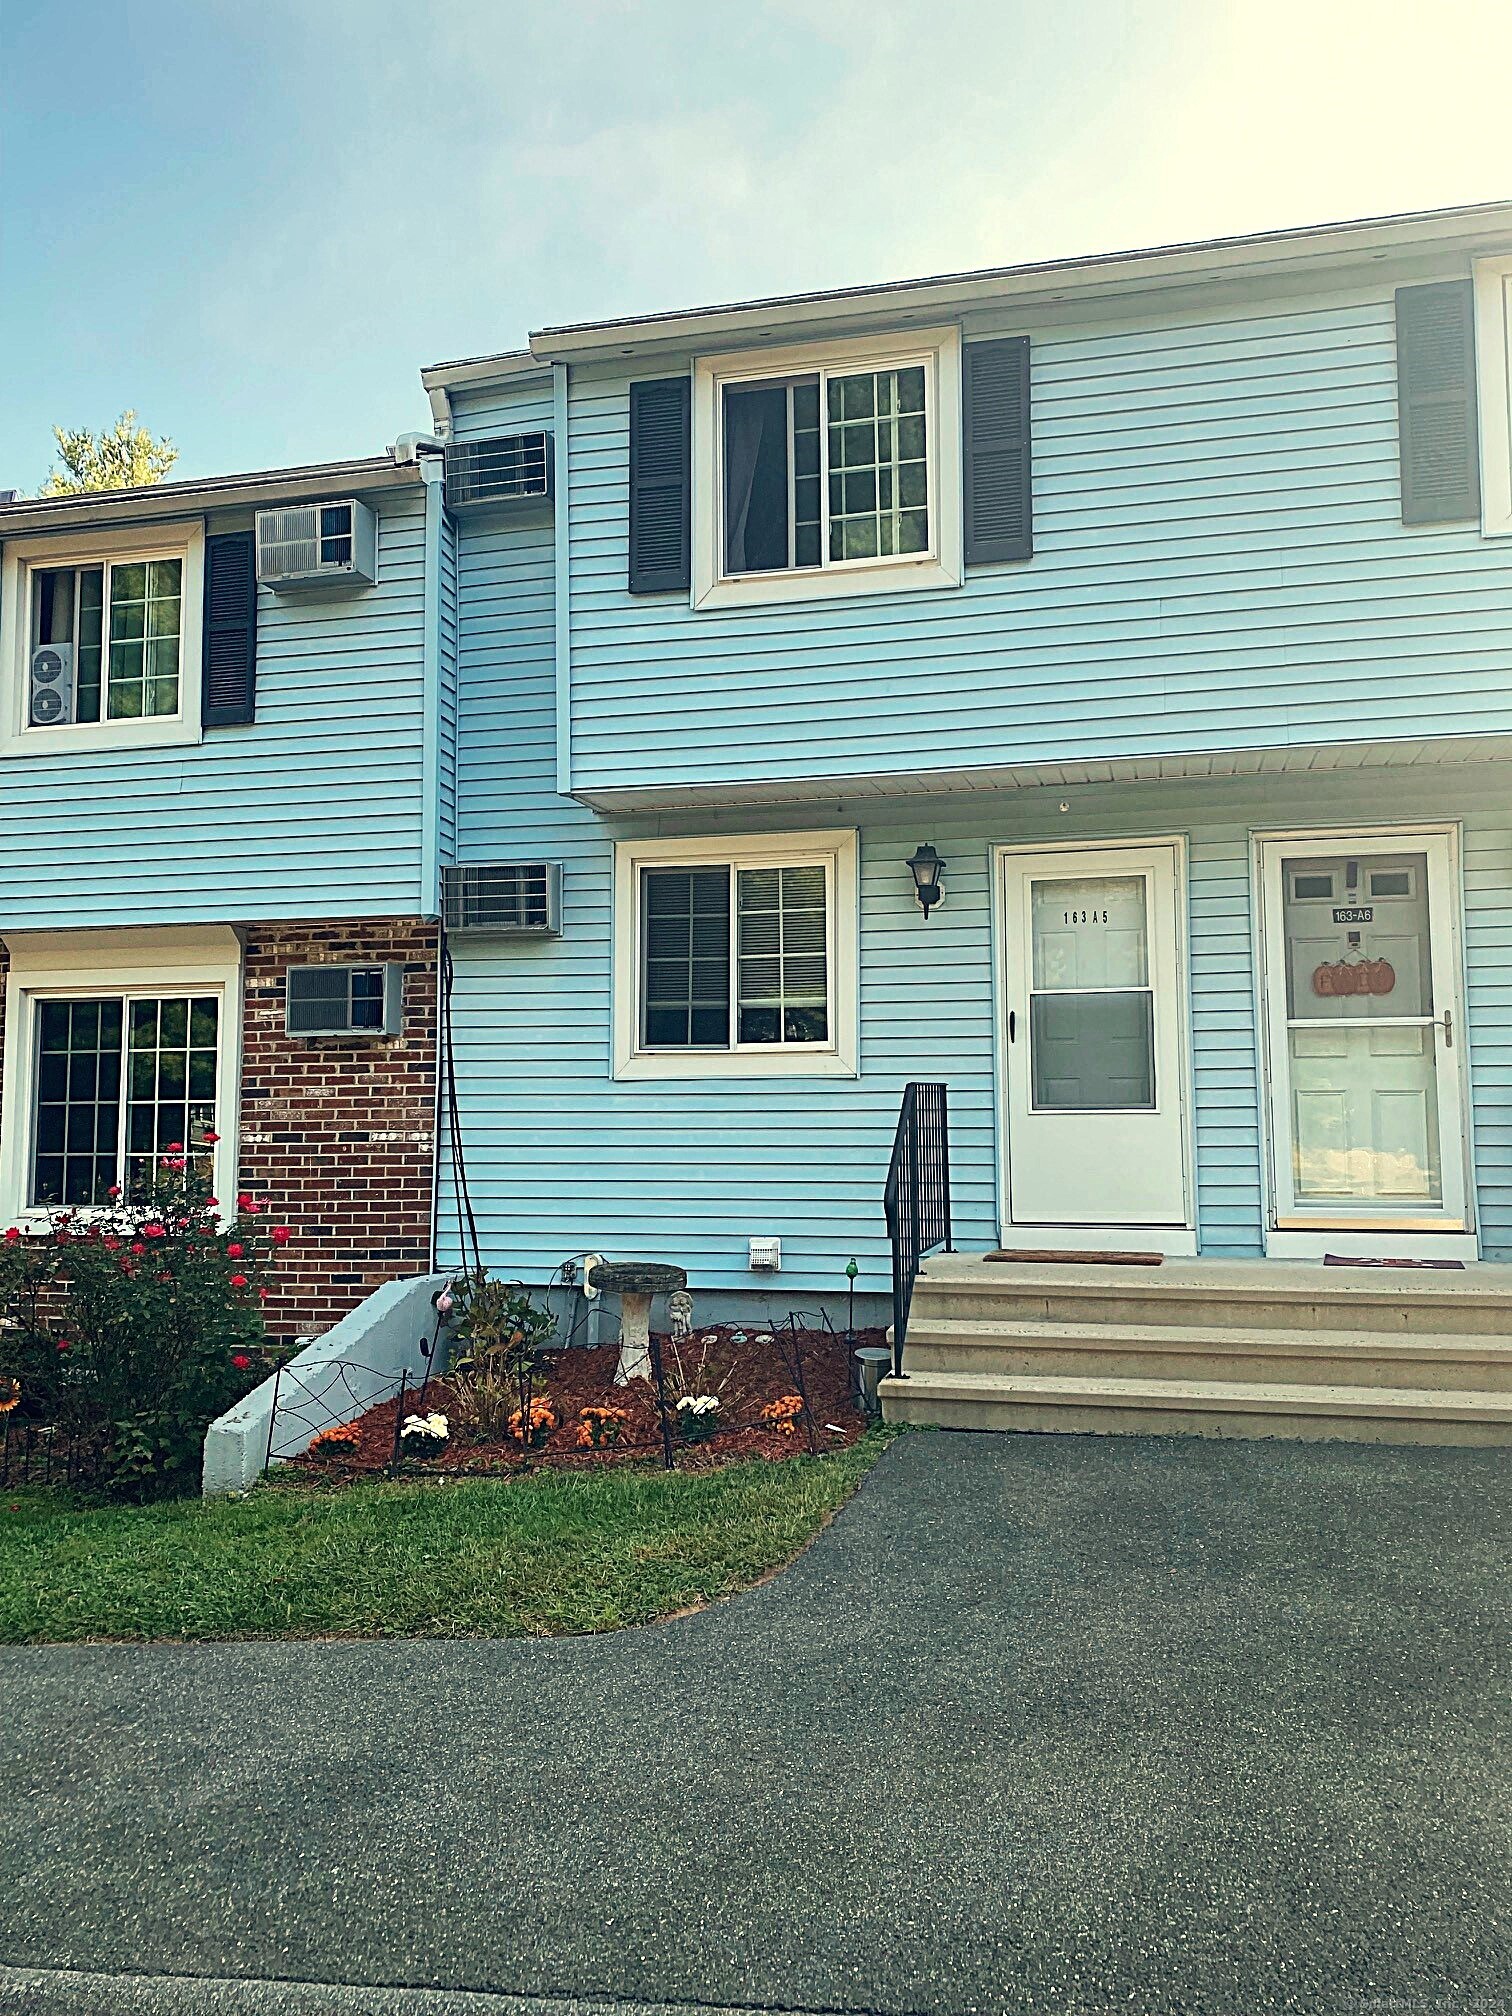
[496,1370]
[129,1328]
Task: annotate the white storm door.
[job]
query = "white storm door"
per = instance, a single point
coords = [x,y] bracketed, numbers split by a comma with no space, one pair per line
[1094,1040]
[1364,1033]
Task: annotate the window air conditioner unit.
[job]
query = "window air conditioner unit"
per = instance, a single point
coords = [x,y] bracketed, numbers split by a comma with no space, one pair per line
[314,545]
[344,1000]
[508,469]
[52,686]
[512,900]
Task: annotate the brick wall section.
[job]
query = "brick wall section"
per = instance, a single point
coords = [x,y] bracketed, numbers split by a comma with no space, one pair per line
[338,1133]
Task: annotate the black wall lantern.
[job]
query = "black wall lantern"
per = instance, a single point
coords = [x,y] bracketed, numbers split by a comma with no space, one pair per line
[925,865]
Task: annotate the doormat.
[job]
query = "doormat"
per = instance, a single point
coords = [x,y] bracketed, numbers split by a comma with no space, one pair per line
[1055,1257]
[1344,1260]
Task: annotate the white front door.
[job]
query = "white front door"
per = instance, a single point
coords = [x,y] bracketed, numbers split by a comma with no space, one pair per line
[1095,1038]
[1364,1034]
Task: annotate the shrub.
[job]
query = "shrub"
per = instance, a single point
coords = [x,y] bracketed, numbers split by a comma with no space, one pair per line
[137,1324]
[497,1370]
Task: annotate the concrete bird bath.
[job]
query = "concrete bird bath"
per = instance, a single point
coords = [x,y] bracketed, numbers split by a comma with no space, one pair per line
[636,1282]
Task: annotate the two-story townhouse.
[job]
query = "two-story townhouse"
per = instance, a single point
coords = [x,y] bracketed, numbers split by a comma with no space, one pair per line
[1154,611]
[224,752]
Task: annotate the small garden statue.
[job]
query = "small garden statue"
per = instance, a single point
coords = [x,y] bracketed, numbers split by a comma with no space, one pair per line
[680,1315]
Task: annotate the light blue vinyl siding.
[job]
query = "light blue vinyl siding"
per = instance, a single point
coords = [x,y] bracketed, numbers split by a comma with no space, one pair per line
[1219,563]
[563,1158]
[314,810]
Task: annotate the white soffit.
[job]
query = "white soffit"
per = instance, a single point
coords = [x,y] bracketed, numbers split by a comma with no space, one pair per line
[1315,758]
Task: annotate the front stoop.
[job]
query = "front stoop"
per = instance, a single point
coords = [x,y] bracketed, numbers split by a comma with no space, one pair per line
[1216,1348]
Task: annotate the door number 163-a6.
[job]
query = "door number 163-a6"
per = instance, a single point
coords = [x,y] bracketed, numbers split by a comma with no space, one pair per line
[1084,916]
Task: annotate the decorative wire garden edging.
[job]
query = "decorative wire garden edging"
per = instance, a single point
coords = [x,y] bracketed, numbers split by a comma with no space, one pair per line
[40,1452]
[310,1400]
[301,1411]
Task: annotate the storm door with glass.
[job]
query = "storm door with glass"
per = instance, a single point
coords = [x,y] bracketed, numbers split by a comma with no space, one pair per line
[1095,1112]
[1365,1035]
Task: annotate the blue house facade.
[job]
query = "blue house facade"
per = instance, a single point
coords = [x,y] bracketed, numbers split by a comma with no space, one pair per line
[1088,686]
[222,737]
[1166,600]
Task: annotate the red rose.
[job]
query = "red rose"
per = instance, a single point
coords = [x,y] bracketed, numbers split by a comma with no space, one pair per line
[212,1203]
[280,1235]
[175,1147]
[63,1344]
[112,1244]
[241,1361]
[262,1294]
[243,1199]
[153,1231]
[137,1246]
[209,1138]
[235,1252]
[114,1190]
[12,1232]
[238,1280]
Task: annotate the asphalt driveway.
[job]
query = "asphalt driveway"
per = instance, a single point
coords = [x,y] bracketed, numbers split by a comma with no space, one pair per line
[1039,1724]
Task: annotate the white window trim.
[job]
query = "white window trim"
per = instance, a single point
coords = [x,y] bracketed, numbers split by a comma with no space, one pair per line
[75,964]
[939,350]
[184,541]
[836,1059]
[1493,392]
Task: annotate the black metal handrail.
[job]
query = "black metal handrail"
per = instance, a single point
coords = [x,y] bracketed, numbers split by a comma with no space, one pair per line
[917,1198]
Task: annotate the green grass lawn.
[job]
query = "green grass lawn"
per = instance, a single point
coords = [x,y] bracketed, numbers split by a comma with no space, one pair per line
[480,1557]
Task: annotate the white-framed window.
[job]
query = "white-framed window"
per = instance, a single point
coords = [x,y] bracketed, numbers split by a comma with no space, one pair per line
[100,639]
[1493,371]
[117,1045]
[736,957]
[832,469]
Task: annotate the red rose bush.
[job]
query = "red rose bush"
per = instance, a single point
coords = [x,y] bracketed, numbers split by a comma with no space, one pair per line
[133,1325]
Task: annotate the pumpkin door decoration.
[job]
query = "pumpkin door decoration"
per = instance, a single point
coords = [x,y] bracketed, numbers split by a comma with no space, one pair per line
[1358,976]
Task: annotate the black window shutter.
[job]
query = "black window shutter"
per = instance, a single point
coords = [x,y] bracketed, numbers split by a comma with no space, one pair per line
[999,500]
[661,477]
[229,668]
[1435,342]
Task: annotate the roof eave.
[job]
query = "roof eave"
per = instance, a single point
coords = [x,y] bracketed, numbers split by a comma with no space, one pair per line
[1476,227]
[217,493]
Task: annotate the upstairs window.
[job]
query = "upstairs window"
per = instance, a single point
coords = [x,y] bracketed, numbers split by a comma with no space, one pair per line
[101,639]
[827,471]
[105,642]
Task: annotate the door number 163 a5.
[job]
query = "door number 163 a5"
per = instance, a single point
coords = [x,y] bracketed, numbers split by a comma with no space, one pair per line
[1084,916]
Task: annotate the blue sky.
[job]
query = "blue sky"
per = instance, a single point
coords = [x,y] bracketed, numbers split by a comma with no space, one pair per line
[254,220]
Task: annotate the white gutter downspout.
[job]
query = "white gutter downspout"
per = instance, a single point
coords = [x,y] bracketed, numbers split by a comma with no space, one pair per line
[562,617]
[432,469]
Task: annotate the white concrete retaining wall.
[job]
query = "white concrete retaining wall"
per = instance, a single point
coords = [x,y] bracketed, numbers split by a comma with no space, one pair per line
[361,1357]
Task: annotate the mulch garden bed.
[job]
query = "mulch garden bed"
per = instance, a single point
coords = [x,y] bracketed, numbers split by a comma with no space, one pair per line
[749,1367]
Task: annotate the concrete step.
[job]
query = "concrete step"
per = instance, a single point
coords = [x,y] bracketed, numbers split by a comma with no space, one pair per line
[1215,1294]
[1218,1408]
[1193,1351]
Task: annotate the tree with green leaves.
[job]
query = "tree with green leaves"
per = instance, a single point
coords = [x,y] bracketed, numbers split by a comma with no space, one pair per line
[122,457]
